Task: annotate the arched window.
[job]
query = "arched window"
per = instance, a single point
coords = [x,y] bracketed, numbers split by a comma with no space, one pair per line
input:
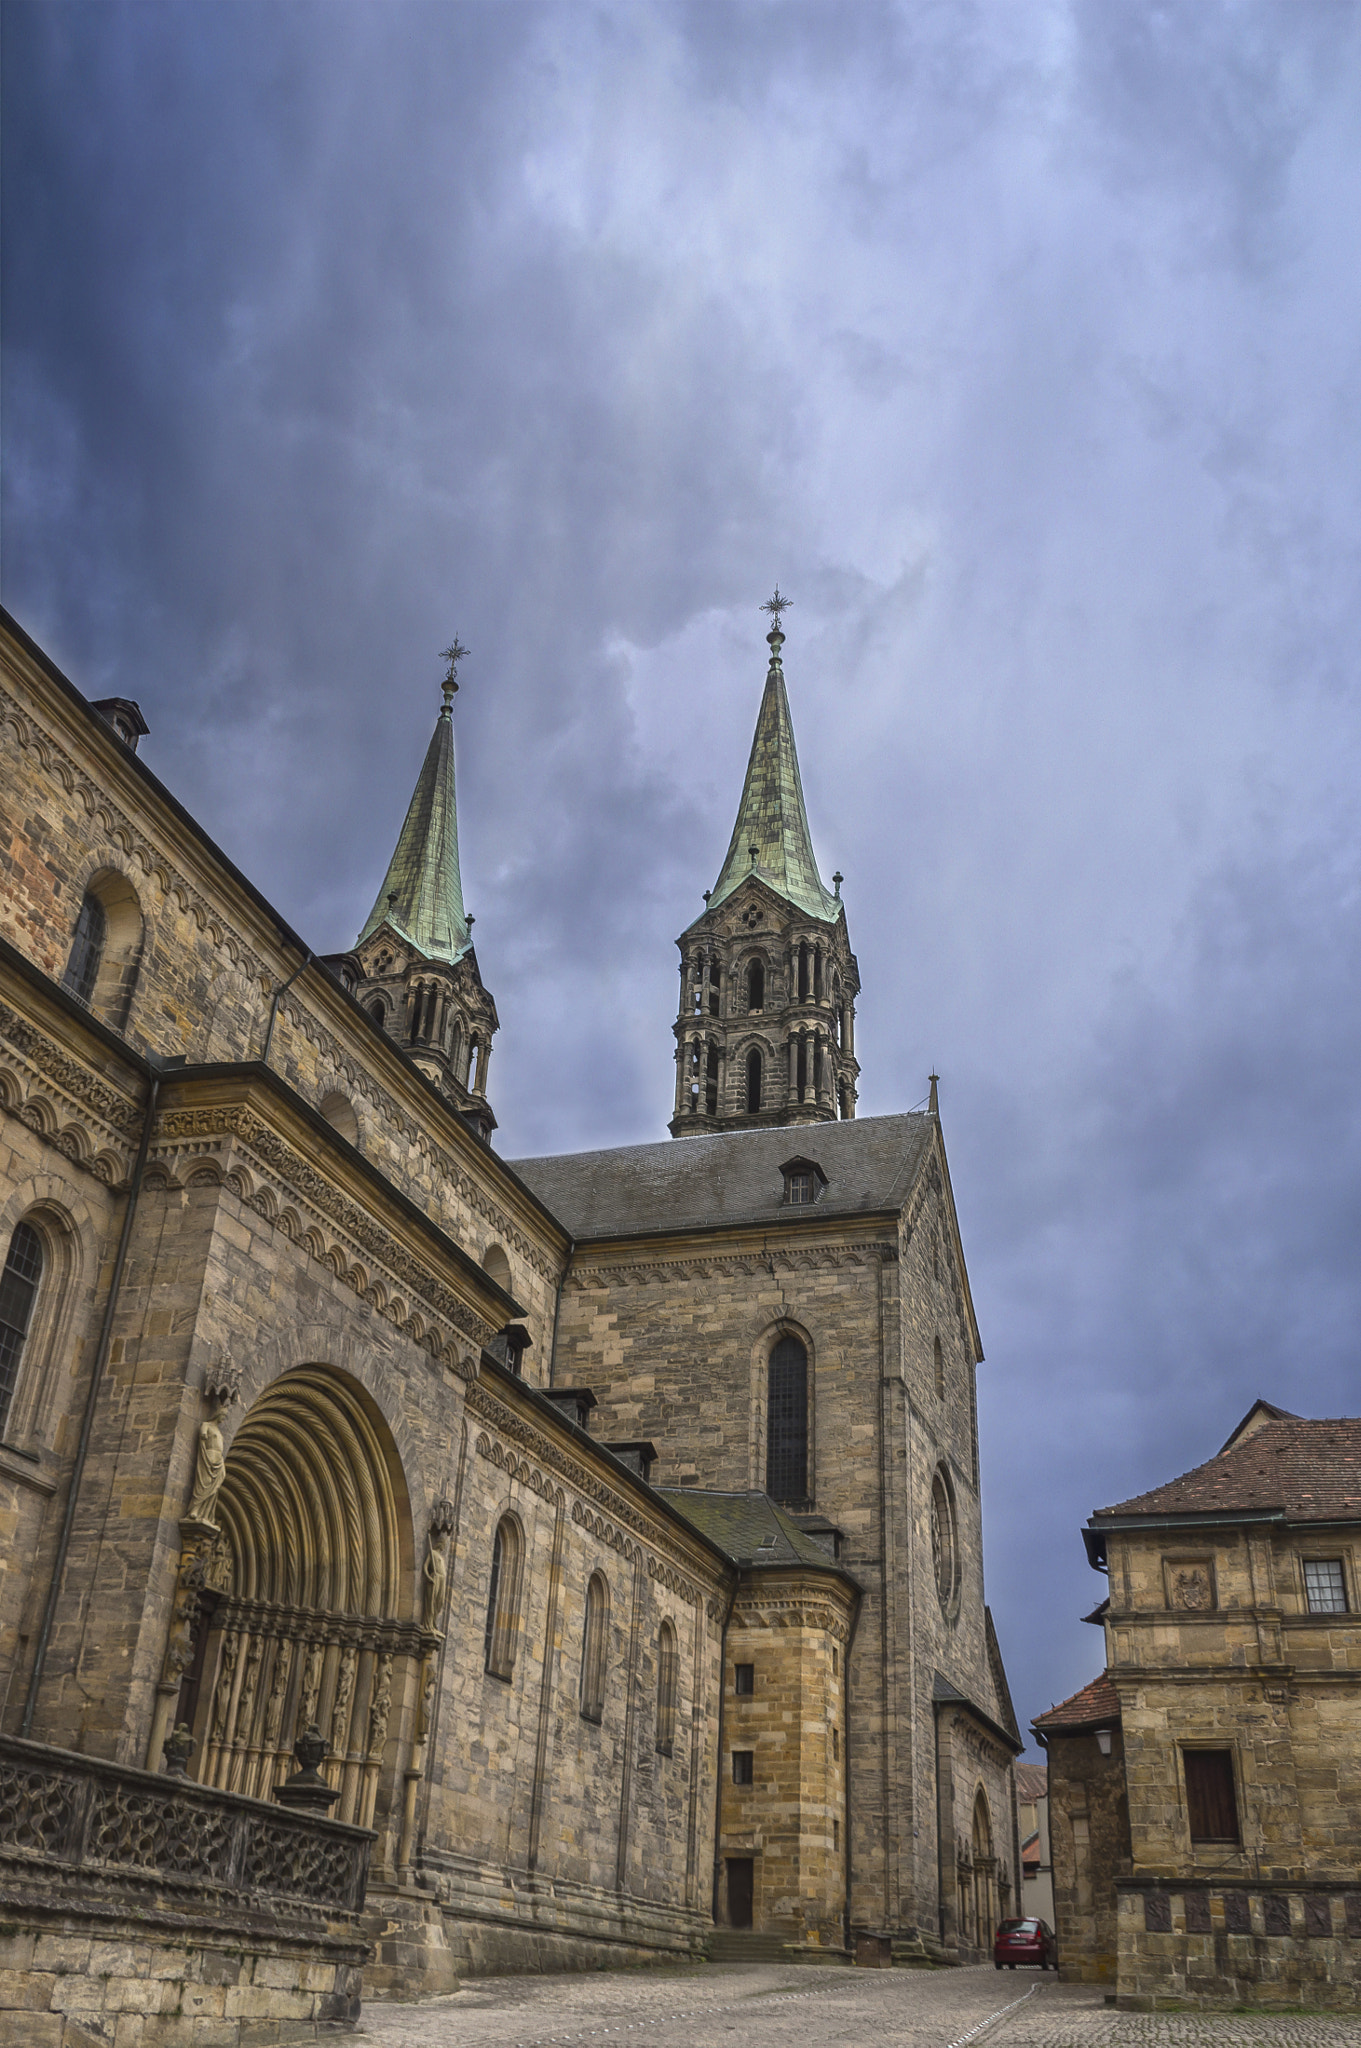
[18,1292]
[787,1423]
[756,986]
[503,1599]
[753,1081]
[378,1012]
[87,950]
[844,1104]
[803,973]
[496,1266]
[668,1678]
[593,1645]
[474,1054]
[940,1368]
[715,987]
[711,1082]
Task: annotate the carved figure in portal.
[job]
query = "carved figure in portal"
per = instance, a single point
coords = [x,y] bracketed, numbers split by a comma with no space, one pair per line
[340,1712]
[222,1702]
[426,1711]
[274,1705]
[311,1685]
[380,1707]
[250,1680]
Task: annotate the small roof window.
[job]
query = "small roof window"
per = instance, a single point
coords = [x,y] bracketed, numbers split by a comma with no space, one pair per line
[804,1181]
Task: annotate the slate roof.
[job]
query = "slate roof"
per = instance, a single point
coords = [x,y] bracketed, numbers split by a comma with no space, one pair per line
[749,1527]
[423,874]
[1306,1471]
[771,815]
[1094,1707]
[731,1177]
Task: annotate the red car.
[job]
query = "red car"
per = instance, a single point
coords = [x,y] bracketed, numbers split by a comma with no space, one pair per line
[1024,1941]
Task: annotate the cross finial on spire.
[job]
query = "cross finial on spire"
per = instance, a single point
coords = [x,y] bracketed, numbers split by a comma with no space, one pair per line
[775,605]
[453,655]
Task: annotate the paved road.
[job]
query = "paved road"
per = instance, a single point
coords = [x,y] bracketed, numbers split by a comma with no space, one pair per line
[759,2005]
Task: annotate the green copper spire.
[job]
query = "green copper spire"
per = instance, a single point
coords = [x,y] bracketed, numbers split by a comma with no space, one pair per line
[771,837]
[422,894]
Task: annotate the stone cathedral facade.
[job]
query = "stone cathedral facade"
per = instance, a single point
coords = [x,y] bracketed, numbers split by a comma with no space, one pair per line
[412,1561]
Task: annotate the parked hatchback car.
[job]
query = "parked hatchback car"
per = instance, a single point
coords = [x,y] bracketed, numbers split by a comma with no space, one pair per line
[1024,1941]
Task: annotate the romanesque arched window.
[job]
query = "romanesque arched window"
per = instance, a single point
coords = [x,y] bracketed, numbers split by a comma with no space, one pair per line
[711,1082]
[503,1599]
[753,1081]
[87,950]
[803,973]
[715,988]
[756,986]
[787,1422]
[668,1681]
[378,1012]
[18,1292]
[594,1640]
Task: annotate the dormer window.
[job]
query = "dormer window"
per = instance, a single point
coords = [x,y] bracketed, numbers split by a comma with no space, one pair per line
[804,1181]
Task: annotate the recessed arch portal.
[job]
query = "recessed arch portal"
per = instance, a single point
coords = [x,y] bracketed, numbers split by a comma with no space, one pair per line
[310,1609]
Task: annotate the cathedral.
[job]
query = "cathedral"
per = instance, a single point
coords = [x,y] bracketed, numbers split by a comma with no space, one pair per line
[416,1562]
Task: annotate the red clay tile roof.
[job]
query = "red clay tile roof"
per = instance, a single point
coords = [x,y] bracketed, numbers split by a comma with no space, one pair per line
[1032,1781]
[1309,1471]
[1093,1707]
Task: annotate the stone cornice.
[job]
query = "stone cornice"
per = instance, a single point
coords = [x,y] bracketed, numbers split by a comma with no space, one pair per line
[600,1507]
[233,1144]
[88,1119]
[789,1258]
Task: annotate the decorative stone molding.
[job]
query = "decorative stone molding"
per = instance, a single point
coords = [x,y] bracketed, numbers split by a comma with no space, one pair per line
[518,1468]
[674,1581]
[65,1101]
[756,1611]
[606,1532]
[484,1404]
[178,1150]
[731,1265]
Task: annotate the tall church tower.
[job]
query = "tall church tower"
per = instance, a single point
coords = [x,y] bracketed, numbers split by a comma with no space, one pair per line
[766,1031]
[418,975]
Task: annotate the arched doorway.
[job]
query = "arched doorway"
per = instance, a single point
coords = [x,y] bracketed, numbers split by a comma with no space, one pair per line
[307,1613]
[984,1874]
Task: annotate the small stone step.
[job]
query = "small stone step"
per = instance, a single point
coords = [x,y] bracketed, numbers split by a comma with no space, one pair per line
[743,1945]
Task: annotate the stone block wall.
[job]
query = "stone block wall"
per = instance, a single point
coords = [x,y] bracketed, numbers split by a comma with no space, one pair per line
[1090,1840]
[793,1630]
[611,1841]
[1216,1942]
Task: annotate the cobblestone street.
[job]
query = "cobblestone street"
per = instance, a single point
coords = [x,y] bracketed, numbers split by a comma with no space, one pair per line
[760,2004]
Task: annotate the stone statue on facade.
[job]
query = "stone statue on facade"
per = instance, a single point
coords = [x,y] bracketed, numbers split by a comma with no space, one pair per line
[221,1385]
[436,1570]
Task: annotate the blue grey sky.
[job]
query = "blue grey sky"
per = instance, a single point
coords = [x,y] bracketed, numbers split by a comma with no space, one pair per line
[1019,342]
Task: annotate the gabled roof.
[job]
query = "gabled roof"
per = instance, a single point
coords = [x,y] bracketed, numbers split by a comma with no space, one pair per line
[731,1177]
[1302,1471]
[422,893]
[750,1527]
[1260,1412]
[1096,1706]
[1032,1781]
[771,816]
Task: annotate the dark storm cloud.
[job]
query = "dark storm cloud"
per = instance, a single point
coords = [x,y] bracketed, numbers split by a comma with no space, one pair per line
[1020,343]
